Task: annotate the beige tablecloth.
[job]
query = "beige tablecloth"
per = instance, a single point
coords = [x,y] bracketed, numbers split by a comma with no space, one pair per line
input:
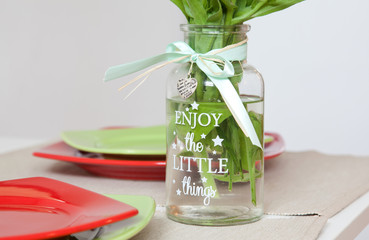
[302,190]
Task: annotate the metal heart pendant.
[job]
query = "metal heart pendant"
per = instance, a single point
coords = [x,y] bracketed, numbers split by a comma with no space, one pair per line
[186,87]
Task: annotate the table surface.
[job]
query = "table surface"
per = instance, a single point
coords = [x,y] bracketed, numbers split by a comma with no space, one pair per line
[347,224]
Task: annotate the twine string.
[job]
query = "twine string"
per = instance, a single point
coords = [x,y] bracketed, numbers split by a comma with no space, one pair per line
[147,73]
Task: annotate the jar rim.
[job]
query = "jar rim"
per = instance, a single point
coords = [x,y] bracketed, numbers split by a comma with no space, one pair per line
[241,28]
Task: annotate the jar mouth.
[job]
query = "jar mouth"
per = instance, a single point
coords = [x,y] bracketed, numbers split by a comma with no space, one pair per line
[241,28]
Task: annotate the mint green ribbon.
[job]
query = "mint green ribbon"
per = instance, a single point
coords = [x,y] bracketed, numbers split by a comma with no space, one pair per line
[180,52]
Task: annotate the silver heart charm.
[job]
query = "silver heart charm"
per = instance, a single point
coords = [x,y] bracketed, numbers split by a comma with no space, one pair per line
[186,87]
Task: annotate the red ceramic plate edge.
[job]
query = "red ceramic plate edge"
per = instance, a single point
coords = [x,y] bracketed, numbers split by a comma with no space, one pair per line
[45,153]
[82,227]
[277,144]
[131,169]
[276,147]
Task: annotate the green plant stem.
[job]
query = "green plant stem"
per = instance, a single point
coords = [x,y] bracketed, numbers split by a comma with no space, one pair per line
[205,173]
[242,154]
[235,151]
[251,173]
[238,20]
[229,14]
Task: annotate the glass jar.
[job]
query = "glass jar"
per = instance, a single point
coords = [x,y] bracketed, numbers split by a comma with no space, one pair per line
[214,174]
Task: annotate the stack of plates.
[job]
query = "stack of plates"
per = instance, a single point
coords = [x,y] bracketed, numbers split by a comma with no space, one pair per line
[44,208]
[127,153]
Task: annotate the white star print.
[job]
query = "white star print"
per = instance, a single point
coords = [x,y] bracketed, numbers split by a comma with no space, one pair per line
[174,146]
[214,152]
[174,181]
[195,105]
[187,109]
[174,132]
[203,136]
[178,192]
[204,179]
[218,141]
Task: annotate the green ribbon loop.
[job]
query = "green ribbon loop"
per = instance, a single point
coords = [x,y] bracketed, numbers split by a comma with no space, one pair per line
[180,52]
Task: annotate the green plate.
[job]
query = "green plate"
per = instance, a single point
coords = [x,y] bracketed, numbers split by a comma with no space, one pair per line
[268,139]
[129,141]
[128,228]
[124,229]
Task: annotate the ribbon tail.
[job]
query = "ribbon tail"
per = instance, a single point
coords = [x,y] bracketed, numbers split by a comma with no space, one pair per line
[235,105]
[128,68]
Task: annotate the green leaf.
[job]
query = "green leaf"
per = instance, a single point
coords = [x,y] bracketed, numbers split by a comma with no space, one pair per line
[257,122]
[248,2]
[229,4]
[197,11]
[230,8]
[204,107]
[229,12]
[274,6]
[188,11]
[259,8]
[248,11]
[241,4]
[215,12]
[205,173]
[180,5]
[245,177]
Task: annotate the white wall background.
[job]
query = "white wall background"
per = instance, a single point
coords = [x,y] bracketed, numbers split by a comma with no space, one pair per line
[53,54]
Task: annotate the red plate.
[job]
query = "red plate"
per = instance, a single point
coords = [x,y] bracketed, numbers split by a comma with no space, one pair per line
[126,167]
[39,208]
[274,148]
[106,165]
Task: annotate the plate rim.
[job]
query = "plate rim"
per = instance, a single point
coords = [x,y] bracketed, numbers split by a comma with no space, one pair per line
[132,232]
[49,184]
[143,163]
[129,169]
[160,152]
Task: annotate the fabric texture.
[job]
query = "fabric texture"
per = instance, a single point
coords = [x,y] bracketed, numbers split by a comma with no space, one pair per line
[302,190]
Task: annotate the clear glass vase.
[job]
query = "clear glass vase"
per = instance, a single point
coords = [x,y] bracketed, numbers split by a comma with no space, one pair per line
[214,174]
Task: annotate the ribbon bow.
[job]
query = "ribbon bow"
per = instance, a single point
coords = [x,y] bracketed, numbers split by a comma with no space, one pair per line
[180,52]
